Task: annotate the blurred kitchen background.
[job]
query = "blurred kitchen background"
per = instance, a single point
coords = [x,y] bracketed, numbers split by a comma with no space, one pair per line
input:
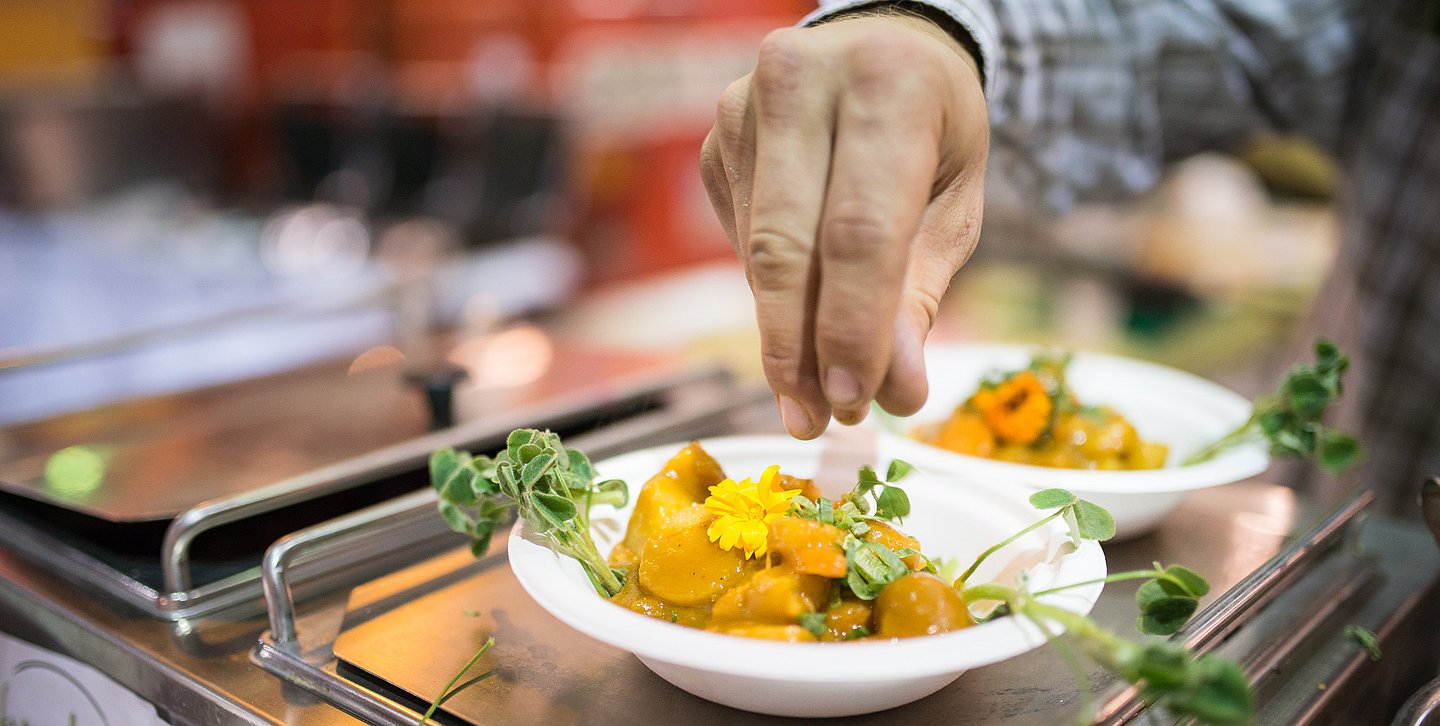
[198,192]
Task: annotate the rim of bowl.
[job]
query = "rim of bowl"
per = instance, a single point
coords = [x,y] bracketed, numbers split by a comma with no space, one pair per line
[1239,463]
[553,581]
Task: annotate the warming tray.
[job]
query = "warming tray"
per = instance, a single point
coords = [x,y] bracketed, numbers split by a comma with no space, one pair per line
[1279,607]
[181,512]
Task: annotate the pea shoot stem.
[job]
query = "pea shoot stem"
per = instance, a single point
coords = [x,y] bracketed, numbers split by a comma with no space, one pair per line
[1246,432]
[446,692]
[1155,574]
[965,576]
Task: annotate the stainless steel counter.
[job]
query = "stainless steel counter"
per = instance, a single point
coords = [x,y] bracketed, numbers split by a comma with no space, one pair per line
[413,628]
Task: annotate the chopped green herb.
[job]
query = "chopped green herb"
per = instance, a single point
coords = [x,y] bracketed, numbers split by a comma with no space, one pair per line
[871,566]
[813,622]
[1366,639]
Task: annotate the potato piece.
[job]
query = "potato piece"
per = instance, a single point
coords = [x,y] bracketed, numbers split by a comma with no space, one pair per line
[775,595]
[787,633]
[919,604]
[684,482]
[848,620]
[806,486]
[884,534]
[1112,437]
[694,470]
[634,597]
[1149,455]
[807,546]
[680,563]
[965,432]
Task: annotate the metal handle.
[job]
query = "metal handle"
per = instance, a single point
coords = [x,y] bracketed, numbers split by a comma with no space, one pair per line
[377,525]
[1420,707]
[356,534]
[396,459]
[1260,587]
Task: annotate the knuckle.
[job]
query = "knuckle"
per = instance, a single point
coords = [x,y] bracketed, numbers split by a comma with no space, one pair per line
[844,353]
[779,63]
[856,232]
[925,307]
[776,258]
[847,334]
[781,363]
[875,67]
[730,107]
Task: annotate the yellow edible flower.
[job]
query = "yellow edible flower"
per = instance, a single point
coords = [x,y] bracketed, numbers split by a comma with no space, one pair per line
[743,510]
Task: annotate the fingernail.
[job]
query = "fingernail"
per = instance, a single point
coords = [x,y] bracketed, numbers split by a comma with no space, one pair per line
[796,418]
[841,388]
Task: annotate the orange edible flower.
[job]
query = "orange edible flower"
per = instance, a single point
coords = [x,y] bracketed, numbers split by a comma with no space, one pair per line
[1017,410]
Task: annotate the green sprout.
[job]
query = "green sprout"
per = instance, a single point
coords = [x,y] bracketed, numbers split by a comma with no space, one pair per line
[451,689]
[1210,689]
[870,500]
[550,486]
[1290,419]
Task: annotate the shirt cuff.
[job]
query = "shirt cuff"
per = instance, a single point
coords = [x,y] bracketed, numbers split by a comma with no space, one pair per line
[975,17]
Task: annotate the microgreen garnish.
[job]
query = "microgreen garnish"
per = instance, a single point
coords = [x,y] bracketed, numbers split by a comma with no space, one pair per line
[871,566]
[891,504]
[813,622]
[864,502]
[552,488]
[451,689]
[1166,601]
[1207,688]
[1086,519]
[1289,420]
[1365,638]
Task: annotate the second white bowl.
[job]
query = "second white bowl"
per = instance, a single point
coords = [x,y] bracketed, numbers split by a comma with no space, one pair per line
[1179,409]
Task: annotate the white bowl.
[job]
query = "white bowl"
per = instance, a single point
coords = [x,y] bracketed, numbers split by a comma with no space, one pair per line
[1181,410]
[952,517]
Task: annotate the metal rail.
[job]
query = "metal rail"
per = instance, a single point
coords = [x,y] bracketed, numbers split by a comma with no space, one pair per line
[18,358]
[280,651]
[1232,609]
[391,460]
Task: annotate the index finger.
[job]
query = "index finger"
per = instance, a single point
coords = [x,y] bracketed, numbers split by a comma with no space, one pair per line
[792,160]
[882,171]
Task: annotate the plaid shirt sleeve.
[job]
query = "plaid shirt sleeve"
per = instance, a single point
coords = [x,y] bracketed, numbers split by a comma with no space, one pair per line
[1090,98]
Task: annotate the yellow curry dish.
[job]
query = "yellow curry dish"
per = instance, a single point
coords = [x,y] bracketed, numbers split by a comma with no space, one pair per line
[771,558]
[1031,416]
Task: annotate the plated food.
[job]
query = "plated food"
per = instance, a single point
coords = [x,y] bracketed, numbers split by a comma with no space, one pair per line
[828,569]
[807,678]
[1032,416]
[773,558]
[1164,407]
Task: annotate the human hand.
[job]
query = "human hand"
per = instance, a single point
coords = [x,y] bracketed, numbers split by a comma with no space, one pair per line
[848,171]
